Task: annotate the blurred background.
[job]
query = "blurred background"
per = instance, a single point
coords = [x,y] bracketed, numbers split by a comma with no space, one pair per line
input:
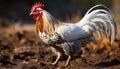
[65,10]
[21,48]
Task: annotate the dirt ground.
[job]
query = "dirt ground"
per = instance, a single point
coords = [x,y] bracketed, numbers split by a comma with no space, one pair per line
[21,48]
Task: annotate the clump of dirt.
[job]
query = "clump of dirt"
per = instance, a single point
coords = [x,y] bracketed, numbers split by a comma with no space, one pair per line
[23,49]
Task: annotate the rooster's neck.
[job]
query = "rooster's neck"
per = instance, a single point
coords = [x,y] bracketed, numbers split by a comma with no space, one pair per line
[39,25]
[46,24]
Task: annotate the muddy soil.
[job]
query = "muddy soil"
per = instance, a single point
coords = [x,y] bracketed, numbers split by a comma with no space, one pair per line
[21,48]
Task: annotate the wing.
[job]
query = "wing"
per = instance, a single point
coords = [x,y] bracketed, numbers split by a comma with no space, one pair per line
[98,19]
[71,32]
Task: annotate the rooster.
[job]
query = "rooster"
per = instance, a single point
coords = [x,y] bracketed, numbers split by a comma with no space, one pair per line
[67,38]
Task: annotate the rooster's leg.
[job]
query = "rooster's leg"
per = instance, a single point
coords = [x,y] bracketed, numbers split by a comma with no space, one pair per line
[68,59]
[58,57]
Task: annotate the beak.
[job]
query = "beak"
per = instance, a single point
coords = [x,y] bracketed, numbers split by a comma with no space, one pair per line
[31,13]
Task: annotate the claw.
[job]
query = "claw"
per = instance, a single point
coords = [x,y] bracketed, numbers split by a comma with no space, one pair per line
[53,63]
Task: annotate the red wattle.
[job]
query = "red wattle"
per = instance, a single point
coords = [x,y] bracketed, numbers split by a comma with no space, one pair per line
[37,16]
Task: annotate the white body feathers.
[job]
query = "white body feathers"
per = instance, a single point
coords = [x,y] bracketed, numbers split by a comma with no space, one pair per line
[71,32]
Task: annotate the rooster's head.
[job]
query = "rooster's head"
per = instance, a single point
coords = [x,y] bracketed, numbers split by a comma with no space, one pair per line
[36,10]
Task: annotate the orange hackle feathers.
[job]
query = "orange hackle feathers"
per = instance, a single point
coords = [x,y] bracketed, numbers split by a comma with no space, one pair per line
[39,25]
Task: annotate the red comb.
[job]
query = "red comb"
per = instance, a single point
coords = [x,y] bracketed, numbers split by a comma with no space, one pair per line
[37,5]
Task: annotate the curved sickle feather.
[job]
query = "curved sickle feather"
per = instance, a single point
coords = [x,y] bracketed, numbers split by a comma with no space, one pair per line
[99,20]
